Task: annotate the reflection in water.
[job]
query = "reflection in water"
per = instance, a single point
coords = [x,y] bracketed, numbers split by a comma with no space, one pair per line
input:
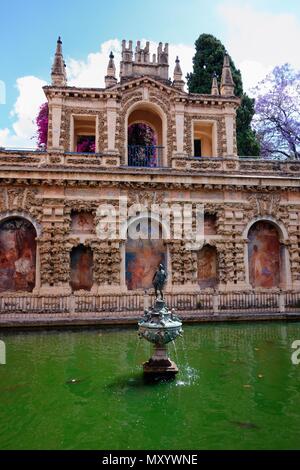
[236,383]
[244,425]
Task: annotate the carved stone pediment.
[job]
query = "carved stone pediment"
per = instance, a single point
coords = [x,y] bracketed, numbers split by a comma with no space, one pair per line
[265,203]
[21,199]
[146,198]
[148,81]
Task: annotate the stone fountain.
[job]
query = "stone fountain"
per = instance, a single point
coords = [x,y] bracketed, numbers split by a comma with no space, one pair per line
[160,326]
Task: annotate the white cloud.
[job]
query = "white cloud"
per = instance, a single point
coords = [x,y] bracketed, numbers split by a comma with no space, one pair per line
[25,109]
[185,54]
[81,73]
[252,73]
[91,72]
[259,40]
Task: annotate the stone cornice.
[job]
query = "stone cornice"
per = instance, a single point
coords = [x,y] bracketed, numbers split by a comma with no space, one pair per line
[36,164]
[118,90]
[165,179]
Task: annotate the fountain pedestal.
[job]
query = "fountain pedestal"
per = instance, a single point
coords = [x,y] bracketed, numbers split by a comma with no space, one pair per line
[160,363]
[160,326]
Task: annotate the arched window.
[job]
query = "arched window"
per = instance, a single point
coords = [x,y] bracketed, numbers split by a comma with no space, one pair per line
[141,134]
[81,268]
[17,255]
[264,255]
[142,146]
[208,267]
[144,253]
[145,137]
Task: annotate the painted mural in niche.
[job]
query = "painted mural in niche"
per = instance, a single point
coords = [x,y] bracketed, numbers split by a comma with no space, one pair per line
[17,255]
[81,268]
[143,256]
[264,255]
[208,267]
[210,224]
[82,222]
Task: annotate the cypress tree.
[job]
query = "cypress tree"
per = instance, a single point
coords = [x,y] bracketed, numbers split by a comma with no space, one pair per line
[209,59]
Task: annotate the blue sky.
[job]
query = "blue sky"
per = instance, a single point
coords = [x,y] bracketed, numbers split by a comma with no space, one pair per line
[258,34]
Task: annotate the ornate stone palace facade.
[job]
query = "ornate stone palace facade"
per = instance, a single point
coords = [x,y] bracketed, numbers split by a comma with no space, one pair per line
[146,139]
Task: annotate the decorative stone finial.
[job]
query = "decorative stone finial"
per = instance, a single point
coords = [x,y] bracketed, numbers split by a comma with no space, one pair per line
[214,86]
[110,79]
[58,72]
[177,70]
[177,76]
[227,83]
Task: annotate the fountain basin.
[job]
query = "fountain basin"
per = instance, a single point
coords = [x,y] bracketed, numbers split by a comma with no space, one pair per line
[158,334]
[160,326]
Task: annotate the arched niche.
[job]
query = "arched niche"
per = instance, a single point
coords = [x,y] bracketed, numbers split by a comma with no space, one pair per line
[81,261]
[208,267]
[144,251]
[18,254]
[150,115]
[210,224]
[141,133]
[267,255]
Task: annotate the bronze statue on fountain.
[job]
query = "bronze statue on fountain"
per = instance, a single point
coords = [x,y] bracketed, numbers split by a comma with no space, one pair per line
[160,326]
[159,280]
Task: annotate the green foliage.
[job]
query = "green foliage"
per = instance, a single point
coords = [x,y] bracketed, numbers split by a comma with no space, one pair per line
[208,59]
[247,142]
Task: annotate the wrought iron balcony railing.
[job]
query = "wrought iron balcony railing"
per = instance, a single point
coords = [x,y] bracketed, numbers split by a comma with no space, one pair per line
[145,156]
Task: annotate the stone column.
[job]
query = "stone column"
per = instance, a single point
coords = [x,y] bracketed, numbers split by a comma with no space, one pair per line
[55,126]
[230,117]
[184,267]
[107,263]
[179,119]
[123,285]
[37,268]
[215,303]
[111,125]
[54,255]
[281,302]
[286,275]
[292,252]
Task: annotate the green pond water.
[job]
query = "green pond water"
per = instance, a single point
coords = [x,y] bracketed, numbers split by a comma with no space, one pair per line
[237,389]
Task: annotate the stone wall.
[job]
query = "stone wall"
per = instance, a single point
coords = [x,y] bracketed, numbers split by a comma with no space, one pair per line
[49,206]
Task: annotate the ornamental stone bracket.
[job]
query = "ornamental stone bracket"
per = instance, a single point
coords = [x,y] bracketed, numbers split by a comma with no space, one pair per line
[183,265]
[224,164]
[265,204]
[145,198]
[178,155]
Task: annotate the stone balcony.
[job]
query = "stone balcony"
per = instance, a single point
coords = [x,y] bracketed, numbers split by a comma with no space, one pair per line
[44,159]
[37,159]
[234,165]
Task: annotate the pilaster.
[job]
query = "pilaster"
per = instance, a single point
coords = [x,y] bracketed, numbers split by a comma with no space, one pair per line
[55,125]
[111,124]
[179,119]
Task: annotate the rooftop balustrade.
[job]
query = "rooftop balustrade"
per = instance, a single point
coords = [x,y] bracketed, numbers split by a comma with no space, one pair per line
[146,156]
[149,158]
[132,304]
